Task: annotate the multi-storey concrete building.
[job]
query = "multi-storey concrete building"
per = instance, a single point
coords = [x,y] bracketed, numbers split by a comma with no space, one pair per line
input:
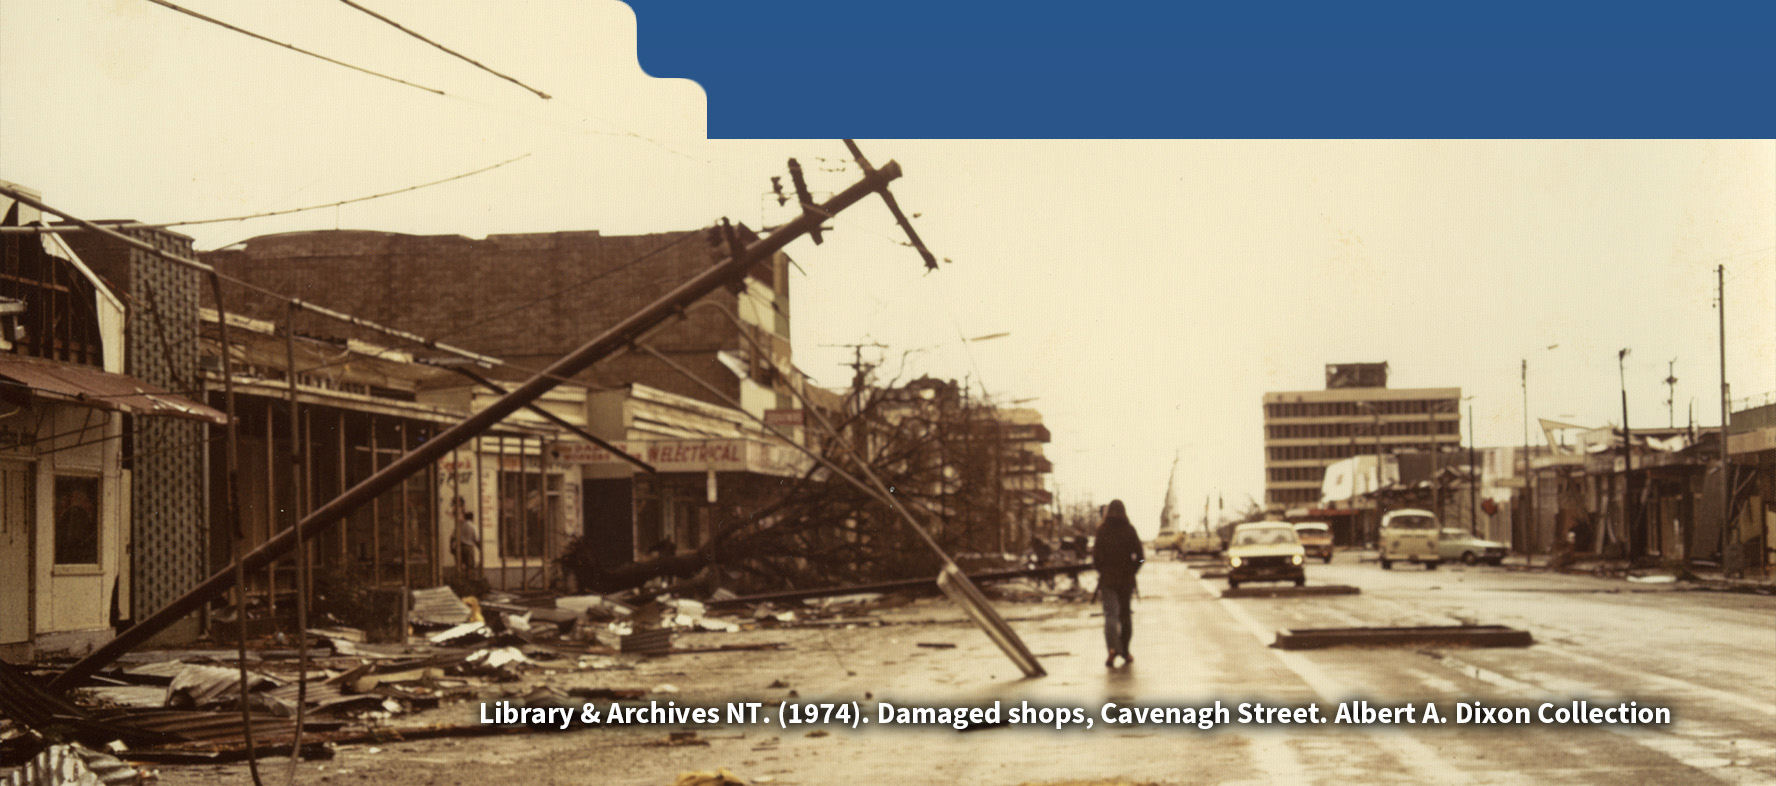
[1356,415]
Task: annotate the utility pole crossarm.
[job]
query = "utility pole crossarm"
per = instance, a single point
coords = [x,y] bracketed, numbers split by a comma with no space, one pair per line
[894,207]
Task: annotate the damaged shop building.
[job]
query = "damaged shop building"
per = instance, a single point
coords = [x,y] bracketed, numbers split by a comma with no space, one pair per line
[90,456]
[511,505]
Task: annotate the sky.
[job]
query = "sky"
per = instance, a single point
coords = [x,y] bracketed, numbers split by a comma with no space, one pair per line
[1151,291]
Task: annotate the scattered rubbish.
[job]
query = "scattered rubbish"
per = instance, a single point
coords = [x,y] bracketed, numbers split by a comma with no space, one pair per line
[755,647]
[621,694]
[777,684]
[74,765]
[817,733]
[462,635]
[517,623]
[679,739]
[438,606]
[721,777]
[594,607]
[206,686]
[352,635]
[502,663]
[656,641]
[937,645]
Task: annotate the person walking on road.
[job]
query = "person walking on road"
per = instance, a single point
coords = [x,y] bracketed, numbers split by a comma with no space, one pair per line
[1117,555]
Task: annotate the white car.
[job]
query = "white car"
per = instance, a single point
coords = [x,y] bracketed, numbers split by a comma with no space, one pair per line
[1459,544]
[1265,551]
[1409,534]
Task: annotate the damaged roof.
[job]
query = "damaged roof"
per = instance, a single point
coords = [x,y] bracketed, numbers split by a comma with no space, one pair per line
[92,387]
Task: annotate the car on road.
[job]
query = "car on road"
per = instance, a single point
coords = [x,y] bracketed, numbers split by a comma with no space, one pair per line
[1265,551]
[1409,534]
[1198,542]
[1316,539]
[1459,544]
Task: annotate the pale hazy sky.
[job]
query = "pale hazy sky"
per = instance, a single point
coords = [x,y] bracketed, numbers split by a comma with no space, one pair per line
[1153,290]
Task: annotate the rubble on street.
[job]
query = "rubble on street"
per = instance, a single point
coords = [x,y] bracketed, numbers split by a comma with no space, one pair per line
[182,707]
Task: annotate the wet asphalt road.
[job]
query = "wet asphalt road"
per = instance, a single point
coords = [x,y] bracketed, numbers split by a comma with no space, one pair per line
[1706,656]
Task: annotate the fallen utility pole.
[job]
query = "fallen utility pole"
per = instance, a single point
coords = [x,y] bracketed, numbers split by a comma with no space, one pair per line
[903,585]
[731,270]
[552,418]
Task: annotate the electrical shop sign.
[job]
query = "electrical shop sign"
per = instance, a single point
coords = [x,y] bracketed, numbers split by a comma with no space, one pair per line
[687,455]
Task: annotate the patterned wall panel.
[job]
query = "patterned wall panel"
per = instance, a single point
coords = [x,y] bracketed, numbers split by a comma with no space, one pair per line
[171,528]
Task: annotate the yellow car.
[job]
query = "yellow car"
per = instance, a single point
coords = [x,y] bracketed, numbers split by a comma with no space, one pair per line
[1316,539]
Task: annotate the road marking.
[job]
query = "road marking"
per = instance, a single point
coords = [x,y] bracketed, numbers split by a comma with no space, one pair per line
[1413,756]
[1762,707]
[1720,757]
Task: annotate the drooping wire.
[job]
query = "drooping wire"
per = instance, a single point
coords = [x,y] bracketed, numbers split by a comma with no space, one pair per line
[447,50]
[291,47]
[271,213]
[231,514]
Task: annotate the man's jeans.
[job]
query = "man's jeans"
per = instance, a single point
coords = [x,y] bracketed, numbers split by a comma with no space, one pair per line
[1118,617]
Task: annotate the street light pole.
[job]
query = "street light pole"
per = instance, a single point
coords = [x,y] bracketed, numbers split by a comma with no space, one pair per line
[1627,453]
[1528,517]
[1473,478]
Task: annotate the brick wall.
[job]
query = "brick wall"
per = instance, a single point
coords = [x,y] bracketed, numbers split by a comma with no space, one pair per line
[528,299]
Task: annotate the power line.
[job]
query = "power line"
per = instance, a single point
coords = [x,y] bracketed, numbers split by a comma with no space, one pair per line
[292,47]
[335,204]
[447,50]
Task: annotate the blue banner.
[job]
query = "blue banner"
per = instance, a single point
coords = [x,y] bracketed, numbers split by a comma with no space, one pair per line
[1121,69]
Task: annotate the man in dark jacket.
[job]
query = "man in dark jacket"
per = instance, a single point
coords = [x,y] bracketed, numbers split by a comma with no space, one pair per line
[1117,555]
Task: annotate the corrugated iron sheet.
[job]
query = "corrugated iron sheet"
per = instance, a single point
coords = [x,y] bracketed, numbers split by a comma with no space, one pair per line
[73,765]
[93,387]
[212,727]
[440,606]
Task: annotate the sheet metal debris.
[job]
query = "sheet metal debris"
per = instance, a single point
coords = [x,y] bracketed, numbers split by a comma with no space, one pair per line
[74,765]
[438,606]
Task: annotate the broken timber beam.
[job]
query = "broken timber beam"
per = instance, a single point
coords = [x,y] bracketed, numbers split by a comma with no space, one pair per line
[612,340]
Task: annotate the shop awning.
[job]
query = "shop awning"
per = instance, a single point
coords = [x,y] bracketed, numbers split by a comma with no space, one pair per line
[91,387]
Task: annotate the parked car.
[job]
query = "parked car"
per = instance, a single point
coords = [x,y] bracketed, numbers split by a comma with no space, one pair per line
[1316,539]
[1167,541]
[1409,534]
[1198,542]
[1459,544]
[1265,551]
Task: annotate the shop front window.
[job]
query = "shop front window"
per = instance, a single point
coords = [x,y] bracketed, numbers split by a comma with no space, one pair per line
[76,520]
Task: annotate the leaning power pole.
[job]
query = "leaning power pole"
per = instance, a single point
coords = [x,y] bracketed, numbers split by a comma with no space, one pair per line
[742,258]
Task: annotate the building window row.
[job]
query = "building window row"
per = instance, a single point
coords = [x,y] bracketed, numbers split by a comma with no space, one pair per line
[1356,430]
[1344,450]
[1280,474]
[1293,496]
[1316,409]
